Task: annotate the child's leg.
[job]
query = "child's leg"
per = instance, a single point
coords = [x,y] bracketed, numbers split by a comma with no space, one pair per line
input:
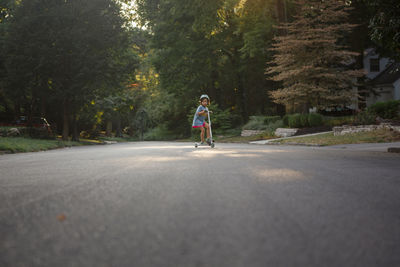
[208,129]
[202,134]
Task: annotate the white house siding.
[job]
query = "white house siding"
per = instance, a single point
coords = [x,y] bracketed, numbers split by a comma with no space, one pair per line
[370,54]
[385,94]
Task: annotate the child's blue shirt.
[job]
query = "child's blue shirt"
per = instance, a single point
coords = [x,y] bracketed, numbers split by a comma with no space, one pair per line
[198,120]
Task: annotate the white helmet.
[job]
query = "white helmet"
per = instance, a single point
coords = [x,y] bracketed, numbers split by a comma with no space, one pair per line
[204,96]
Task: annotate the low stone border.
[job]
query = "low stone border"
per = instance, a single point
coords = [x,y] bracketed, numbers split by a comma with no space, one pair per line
[286,132]
[347,129]
[250,132]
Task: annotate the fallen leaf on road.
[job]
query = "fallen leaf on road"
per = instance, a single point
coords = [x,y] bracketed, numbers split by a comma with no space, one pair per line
[61,217]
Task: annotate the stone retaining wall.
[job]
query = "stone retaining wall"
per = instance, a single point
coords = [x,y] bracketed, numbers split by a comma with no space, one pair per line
[250,132]
[347,129]
[286,132]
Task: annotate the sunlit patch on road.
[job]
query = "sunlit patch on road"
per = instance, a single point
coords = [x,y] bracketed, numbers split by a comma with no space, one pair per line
[278,175]
[142,160]
[210,153]
[144,147]
[243,155]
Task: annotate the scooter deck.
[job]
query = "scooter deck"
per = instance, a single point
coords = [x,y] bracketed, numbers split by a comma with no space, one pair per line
[212,145]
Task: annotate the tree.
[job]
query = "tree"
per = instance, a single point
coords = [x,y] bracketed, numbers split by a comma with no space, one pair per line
[213,47]
[385,26]
[69,51]
[311,60]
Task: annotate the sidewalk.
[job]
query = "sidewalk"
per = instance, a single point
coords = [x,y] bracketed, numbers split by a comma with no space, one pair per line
[370,147]
[265,142]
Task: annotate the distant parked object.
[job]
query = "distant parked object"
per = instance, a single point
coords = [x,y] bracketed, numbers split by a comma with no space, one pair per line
[22,121]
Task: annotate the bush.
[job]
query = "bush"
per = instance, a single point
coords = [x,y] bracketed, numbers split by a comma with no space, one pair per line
[295,121]
[91,134]
[255,123]
[159,133]
[271,119]
[285,120]
[273,126]
[386,110]
[304,120]
[338,121]
[365,118]
[40,133]
[315,119]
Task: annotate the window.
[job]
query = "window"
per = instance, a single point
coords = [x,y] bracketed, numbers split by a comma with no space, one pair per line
[374,65]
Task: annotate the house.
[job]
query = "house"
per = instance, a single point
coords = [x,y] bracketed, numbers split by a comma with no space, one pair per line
[383,78]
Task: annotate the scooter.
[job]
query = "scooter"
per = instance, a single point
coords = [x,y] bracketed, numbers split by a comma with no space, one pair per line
[211,141]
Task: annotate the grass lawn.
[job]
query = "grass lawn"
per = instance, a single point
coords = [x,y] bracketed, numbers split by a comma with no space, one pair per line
[22,144]
[379,136]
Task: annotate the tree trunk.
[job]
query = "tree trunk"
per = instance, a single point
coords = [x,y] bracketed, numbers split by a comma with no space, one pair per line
[75,131]
[65,132]
[109,128]
[243,99]
[281,10]
[118,132]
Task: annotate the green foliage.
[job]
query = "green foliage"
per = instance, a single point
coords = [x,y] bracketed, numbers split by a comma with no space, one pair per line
[62,54]
[285,120]
[268,124]
[338,121]
[271,119]
[304,120]
[386,110]
[315,119]
[40,133]
[214,47]
[160,133]
[294,121]
[271,127]
[23,144]
[255,123]
[364,118]
[384,25]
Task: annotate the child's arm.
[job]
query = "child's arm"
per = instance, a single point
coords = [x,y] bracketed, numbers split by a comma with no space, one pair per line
[201,113]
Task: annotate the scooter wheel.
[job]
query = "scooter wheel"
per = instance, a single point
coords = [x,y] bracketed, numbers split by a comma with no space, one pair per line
[195,145]
[212,145]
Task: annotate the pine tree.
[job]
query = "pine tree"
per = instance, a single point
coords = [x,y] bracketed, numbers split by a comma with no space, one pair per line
[310,60]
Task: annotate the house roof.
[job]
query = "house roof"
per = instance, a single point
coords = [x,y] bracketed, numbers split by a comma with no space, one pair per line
[388,76]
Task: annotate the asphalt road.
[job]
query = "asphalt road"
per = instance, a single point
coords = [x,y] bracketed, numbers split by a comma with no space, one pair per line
[169,204]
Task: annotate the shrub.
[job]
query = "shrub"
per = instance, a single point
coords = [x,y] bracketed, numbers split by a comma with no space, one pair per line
[285,120]
[386,110]
[271,119]
[338,121]
[255,123]
[304,120]
[273,126]
[159,133]
[294,121]
[39,133]
[93,133]
[365,117]
[315,119]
